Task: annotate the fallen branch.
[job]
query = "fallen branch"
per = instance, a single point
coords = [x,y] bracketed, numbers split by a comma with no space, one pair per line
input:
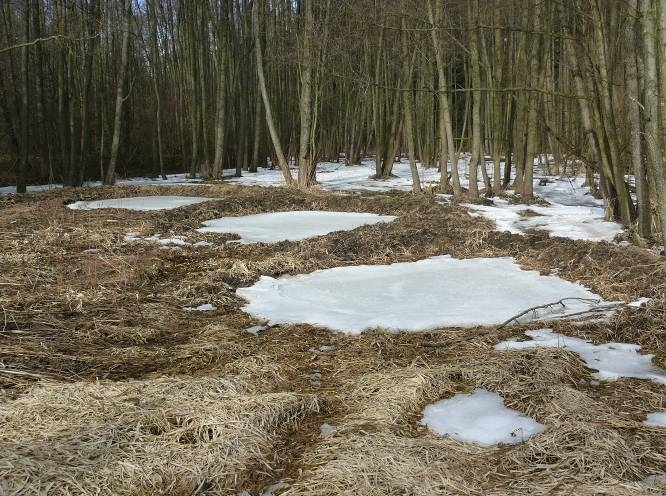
[592,310]
[544,306]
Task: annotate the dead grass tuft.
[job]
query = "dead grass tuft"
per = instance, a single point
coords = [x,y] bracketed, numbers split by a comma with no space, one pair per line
[159,436]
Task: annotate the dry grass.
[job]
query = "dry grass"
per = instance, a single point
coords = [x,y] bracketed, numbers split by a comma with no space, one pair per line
[159,436]
[108,387]
[587,448]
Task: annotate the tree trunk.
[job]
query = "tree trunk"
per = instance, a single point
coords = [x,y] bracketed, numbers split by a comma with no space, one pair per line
[282,161]
[408,103]
[306,162]
[445,124]
[25,103]
[634,106]
[653,141]
[110,177]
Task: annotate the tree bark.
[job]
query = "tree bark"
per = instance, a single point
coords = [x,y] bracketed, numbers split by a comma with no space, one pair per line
[282,161]
[110,177]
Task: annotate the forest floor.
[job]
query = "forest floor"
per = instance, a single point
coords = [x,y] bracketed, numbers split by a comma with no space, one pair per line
[108,387]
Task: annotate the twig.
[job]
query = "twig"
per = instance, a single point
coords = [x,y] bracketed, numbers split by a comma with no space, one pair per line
[592,310]
[48,38]
[546,305]
[21,373]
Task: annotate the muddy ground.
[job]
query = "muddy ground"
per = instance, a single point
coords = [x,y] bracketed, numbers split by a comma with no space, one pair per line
[81,307]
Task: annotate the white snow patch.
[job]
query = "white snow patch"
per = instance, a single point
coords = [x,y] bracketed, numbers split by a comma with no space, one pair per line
[479,417]
[332,176]
[290,226]
[133,237]
[611,360]
[566,221]
[657,419]
[173,241]
[206,307]
[141,203]
[256,329]
[326,430]
[435,292]
[639,302]
[172,179]
[10,190]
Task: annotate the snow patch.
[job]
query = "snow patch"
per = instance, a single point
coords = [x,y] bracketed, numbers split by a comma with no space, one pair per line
[657,419]
[256,329]
[479,417]
[639,302]
[290,226]
[326,430]
[140,203]
[415,296]
[565,221]
[133,237]
[206,307]
[332,176]
[173,241]
[611,360]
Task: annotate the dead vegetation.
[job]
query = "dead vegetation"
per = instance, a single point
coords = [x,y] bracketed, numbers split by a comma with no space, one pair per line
[109,387]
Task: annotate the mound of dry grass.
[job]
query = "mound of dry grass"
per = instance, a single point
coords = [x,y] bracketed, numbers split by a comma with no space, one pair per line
[587,447]
[159,436]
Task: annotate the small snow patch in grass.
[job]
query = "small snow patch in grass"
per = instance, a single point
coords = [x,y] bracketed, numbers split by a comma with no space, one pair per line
[256,329]
[415,296]
[206,307]
[480,418]
[290,226]
[611,360]
[140,203]
[173,241]
[657,419]
[134,237]
[326,430]
[639,302]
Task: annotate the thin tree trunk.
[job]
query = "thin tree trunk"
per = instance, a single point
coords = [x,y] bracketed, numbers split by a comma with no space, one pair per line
[408,103]
[445,124]
[634,105]
[282,161]
[25,103]
[110,177]
[653,141]
[306,165]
